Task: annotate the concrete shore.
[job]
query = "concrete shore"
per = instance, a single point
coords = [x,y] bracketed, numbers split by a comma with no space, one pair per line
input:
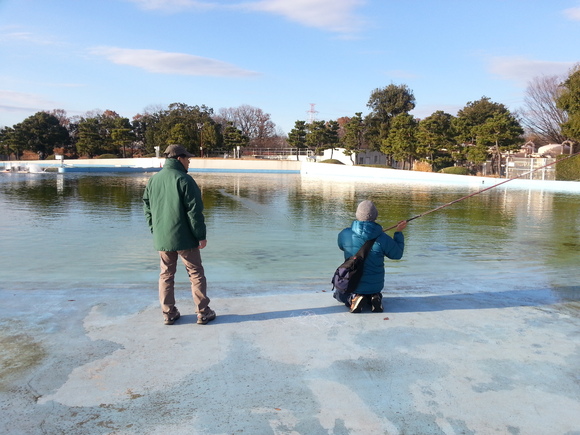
[304,168]
[102,363]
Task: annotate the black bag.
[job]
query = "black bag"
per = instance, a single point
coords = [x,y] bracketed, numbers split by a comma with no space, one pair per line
[348,274]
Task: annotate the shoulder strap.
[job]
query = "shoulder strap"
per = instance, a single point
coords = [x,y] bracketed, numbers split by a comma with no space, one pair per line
[365,248]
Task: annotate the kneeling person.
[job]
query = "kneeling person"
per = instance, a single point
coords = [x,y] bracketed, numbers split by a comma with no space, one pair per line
[350,241]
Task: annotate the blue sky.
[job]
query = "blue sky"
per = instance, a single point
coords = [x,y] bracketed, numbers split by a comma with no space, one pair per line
[278,55]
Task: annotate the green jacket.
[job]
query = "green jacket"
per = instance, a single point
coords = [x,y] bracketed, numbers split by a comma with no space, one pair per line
[174,209]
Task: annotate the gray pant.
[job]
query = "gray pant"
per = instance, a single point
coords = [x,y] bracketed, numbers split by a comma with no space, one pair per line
[192,260]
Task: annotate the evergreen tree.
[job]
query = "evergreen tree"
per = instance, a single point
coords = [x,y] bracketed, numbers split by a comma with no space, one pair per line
[353,135]
[40,133]
[435,139]
[401,141]
[569,101]
[385,104]
[297,137]
[480,123]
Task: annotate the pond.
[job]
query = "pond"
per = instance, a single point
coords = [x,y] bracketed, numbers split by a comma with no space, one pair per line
[276,233]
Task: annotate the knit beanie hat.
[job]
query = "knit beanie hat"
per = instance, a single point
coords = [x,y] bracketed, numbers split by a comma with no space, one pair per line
[366,211]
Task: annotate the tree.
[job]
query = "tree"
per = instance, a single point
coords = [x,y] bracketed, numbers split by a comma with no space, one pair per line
[472,115]
[502,131]
[297,137]
[332,138]
[251,121]
[435,139]
[90,140]
[401,142]
[234,138]
[385,104]
[569,102]
[353,135]
[10,144]
[316,135]
[209,137]
[478,125]
[162,126]
[40,133]
[71,126]
[541,116]
[122,135]
[476,154]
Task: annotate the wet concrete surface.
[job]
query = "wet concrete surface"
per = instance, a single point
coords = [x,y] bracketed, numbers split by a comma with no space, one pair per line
[102,362]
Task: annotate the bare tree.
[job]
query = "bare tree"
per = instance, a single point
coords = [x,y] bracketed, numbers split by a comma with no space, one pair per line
[540,116]
[251,121]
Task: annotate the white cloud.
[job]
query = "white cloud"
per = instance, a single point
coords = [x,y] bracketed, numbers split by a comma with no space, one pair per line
[13,101]
[26,37]
[522,69]
[572,14]
[334,15]
[161,62]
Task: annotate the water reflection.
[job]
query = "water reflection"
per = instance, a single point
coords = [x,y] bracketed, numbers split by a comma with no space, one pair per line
[277,233]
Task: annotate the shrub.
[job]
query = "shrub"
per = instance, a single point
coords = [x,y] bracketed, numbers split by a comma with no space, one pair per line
[332,161]
[107,156]
[568,170]
[457,170]
[422,167]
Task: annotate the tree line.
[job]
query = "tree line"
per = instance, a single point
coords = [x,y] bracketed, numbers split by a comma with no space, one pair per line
[480,131]
[195,127]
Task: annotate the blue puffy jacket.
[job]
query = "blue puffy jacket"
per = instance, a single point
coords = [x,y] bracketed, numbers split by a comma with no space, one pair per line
[351,239]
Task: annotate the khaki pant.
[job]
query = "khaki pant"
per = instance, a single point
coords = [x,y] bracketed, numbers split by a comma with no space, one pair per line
[192,260]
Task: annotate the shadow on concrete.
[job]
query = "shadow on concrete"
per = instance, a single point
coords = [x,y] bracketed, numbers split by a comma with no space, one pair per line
[409,304]
[481,301]
[282,314]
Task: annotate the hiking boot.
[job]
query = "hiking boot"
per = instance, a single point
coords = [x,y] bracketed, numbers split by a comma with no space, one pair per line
[356,303]
[376,303]
[169,319]
[202,319]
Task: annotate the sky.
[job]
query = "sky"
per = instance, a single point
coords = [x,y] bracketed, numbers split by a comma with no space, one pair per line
[293,59]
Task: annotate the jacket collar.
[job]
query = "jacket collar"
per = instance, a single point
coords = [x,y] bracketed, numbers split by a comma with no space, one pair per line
[174,164]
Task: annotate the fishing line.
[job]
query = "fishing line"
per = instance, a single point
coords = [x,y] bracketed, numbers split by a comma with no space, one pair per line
[483,190]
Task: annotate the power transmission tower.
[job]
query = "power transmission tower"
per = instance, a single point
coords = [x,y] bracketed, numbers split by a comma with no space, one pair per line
[312,113]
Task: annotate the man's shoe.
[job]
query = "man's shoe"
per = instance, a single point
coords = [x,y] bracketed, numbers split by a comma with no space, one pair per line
[356,303]
[202,319]
[169,319]
[376,303]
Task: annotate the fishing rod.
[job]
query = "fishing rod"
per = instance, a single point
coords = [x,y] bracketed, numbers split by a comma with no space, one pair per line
[482,190]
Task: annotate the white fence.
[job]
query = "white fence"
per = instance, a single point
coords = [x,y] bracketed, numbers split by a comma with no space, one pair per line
[518,166]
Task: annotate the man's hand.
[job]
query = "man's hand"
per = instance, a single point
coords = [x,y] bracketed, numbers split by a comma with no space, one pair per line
[202,244]
[401,226]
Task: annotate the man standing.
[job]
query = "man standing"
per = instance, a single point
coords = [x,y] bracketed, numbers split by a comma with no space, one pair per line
[174,211]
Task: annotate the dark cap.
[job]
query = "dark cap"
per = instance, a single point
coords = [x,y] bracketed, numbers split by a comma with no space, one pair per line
[173,151]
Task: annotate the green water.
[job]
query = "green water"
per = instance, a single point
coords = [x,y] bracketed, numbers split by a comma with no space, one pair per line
[276,233]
